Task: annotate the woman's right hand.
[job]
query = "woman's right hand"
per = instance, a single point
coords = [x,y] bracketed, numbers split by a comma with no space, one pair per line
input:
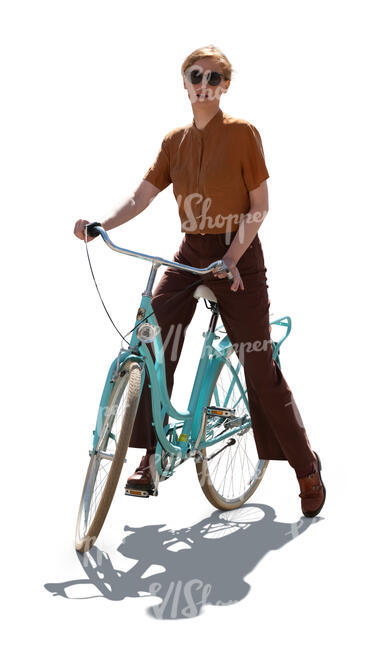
[79,228]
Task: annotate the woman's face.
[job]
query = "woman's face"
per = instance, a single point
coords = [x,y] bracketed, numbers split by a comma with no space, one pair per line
[204,92]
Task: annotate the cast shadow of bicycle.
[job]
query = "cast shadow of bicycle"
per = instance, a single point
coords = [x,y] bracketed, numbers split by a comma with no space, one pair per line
[189,568]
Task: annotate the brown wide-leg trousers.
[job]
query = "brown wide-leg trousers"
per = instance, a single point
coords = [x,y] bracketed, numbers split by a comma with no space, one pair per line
[277,426]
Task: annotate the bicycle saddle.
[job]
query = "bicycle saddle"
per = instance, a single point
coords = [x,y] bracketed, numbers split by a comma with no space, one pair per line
[202,291]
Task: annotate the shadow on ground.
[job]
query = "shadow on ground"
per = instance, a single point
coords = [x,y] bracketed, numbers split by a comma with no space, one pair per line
[191,567]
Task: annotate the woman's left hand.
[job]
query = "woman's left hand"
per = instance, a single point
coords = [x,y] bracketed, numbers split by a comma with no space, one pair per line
[237,280]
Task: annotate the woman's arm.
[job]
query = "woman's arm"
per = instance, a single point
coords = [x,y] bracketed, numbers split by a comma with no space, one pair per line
[251,223]
[246,233]
[138,201]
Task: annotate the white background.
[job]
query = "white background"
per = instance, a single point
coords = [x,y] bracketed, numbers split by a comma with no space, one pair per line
[88,91]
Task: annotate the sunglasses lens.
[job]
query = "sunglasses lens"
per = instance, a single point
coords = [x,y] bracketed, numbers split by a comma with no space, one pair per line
[215,78]
[196,77]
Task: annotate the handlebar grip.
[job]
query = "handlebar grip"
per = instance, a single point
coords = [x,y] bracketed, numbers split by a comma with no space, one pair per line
[91,230]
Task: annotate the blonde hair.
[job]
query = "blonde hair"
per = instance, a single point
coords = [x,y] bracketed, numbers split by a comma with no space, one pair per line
[211,51]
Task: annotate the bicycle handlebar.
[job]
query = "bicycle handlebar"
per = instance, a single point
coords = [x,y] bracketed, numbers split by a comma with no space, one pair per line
[95,228]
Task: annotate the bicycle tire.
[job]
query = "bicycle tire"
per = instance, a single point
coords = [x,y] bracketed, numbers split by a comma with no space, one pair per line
[202,467]
[85,539]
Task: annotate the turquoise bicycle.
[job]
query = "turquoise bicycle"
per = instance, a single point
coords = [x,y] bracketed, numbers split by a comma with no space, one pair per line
[215,429]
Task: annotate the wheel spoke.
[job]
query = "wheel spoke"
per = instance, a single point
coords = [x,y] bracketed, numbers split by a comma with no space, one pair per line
[236,467]
[99,470]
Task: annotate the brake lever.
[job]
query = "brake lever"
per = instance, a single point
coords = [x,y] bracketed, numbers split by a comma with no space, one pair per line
[222,266]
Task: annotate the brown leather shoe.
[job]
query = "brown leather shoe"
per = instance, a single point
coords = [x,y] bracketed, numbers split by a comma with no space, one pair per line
[312,491]
[142,476]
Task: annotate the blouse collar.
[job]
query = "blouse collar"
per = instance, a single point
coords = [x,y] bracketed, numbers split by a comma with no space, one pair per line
[211,124]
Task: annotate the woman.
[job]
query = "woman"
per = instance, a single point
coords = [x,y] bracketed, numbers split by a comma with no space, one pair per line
[217,168]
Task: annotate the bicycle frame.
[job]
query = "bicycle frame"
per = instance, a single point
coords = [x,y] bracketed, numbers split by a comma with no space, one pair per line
[190,419]
[212,356]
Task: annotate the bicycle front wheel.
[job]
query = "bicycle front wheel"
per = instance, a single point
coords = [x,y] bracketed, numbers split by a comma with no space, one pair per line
[230,470]
[106,464]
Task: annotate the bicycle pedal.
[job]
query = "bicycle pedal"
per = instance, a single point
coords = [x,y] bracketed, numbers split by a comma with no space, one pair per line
[140,492]
[217,410]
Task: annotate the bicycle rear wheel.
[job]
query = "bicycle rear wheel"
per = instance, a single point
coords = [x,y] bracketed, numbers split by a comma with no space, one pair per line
[106,464]
[230,470]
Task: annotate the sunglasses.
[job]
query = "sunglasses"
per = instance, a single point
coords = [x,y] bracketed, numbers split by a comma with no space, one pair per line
[212,77]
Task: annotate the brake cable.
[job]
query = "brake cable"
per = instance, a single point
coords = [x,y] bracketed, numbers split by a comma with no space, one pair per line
[197,281]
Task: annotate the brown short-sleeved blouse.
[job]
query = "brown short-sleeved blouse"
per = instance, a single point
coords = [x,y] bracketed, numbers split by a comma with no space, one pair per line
[212,170]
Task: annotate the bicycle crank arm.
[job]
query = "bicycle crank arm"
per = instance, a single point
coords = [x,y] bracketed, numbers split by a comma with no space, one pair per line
[228,444]
[235,422]
[210,411]
[103,454]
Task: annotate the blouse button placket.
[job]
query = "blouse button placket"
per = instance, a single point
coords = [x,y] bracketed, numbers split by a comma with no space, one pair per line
[201,147]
